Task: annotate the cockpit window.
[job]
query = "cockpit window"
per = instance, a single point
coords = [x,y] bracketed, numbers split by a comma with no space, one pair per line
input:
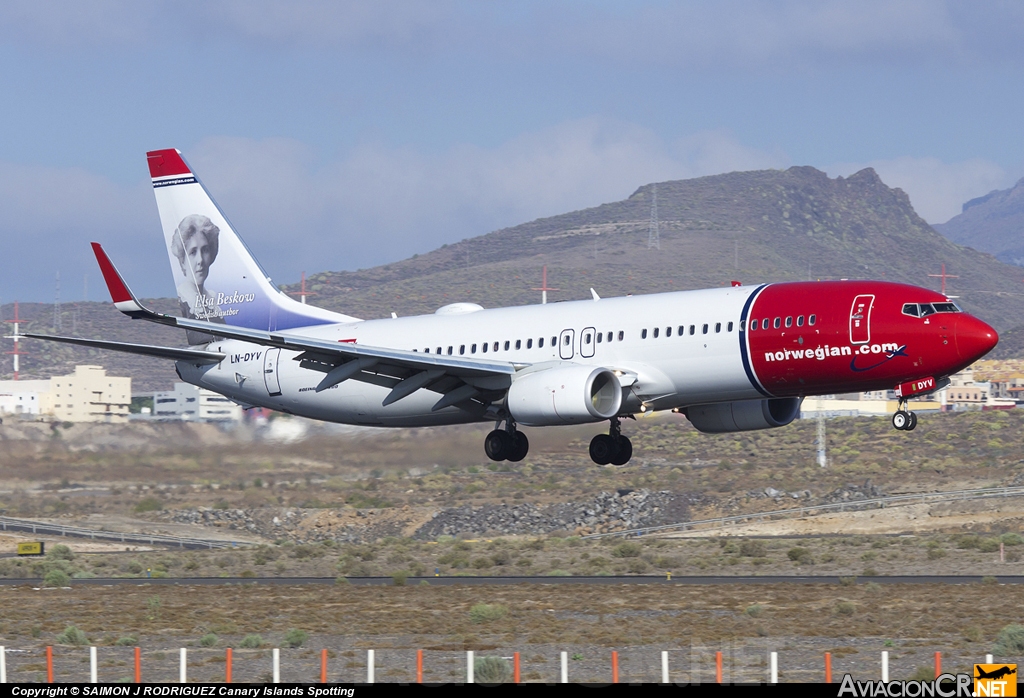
[926,309]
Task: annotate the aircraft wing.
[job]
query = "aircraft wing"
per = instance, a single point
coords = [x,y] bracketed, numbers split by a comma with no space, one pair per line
[196,356]
[460,379]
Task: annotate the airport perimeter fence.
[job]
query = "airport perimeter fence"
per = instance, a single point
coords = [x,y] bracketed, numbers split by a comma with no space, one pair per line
[697,664]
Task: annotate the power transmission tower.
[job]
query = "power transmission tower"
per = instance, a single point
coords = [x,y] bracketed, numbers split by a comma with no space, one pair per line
[653,237]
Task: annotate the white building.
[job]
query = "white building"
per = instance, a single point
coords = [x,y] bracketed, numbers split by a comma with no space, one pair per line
[187,401]
[87,395]
[24,397]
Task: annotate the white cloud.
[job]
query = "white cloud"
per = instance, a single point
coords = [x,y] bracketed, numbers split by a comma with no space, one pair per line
[937,189]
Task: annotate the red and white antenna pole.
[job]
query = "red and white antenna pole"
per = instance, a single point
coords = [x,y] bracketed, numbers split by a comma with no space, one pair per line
[544,286]
[303,292]
[16,336]
[944,276]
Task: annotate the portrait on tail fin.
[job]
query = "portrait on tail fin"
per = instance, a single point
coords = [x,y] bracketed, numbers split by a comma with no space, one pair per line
[195,244]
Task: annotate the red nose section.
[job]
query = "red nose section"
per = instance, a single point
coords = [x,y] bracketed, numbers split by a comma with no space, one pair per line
[974,338]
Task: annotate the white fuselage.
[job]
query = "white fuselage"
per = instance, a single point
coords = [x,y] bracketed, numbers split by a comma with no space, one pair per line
[639,337]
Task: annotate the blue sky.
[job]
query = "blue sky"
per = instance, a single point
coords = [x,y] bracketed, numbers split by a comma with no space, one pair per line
[341,135]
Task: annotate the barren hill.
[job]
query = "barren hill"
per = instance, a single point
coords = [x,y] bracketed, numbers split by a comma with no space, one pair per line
[758,226]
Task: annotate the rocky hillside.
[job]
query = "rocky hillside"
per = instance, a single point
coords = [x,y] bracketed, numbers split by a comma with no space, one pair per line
[993,223]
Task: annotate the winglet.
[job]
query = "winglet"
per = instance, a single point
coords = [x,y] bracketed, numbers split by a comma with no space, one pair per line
[122,296]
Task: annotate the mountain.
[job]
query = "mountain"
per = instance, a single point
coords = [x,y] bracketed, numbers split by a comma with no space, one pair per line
[757,226]
[767,225]
[993,223]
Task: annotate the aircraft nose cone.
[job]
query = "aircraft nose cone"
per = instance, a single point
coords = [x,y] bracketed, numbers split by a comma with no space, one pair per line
[974,338]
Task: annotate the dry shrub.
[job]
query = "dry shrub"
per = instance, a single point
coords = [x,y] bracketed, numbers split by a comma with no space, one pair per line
[486,613]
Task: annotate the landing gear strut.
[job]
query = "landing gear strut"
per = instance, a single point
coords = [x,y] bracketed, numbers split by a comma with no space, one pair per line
[612,447]
[507,444]
[904,420]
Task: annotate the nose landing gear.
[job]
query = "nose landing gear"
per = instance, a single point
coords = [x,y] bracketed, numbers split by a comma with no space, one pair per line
[612,447]
[903,419]
[507,444]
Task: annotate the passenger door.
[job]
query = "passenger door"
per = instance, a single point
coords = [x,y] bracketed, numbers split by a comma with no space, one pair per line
[860,319]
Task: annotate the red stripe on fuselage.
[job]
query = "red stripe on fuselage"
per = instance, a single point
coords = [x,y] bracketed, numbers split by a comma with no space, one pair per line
[831,356]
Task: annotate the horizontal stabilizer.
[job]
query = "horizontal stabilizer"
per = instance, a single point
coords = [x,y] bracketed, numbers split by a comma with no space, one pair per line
[195,356]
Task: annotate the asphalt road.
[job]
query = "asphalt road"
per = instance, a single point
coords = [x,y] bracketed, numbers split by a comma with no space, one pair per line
[486,581]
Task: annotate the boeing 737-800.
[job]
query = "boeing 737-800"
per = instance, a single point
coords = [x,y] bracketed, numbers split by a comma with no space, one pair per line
[731,359]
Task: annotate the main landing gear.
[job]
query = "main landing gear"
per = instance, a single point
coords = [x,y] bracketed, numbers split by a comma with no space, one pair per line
[612,447]
[904,420]
[507,443]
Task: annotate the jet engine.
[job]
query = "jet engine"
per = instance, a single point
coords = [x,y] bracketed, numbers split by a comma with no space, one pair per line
[565,395]
[744,415]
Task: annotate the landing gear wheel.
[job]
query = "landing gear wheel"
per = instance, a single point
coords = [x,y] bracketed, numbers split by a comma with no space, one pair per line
[498,445]
[912,424]
[520,447]
[602,449]
[901,420]
[625,451]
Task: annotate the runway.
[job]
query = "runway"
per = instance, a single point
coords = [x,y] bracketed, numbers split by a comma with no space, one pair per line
[497,581]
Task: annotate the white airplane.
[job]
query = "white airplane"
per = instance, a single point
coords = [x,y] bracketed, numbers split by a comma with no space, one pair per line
[730,359]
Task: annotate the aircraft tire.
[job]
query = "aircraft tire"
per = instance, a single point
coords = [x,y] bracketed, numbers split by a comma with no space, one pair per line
[912,424]
[520,447]
[602,449]
[498,445]
[624,453]
[900,420]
